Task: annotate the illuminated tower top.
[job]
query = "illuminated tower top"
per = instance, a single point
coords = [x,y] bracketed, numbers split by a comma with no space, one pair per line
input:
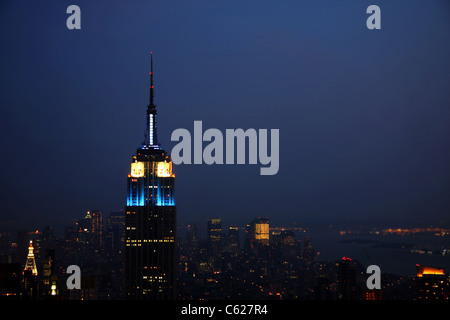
[151,180]
[151,138]
[31,263]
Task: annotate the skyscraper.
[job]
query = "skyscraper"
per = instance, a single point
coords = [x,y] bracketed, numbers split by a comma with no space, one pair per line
[257,233]
[84,229]
[115,228]
[97,229]
[150,218]
[432,283]
[214,234]
[30,275]
[349,287]
[48,272]
[233,243]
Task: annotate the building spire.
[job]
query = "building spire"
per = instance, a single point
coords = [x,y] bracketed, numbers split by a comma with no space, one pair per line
[151,138]
[151,79]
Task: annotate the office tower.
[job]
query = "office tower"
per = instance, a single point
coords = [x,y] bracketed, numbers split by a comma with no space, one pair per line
[432,283]
[192,239]
[233,243]
[150,218]
[285,242]
[347,280]
[308,254]
[90,229]
[48,271]
[84,229]
[308,273]
[97,229]
[257,233]
[214,234]
[115,228]
[30,275]
[48,234]
[262,230]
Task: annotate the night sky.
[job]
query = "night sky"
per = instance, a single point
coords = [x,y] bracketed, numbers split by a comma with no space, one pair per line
[364,115]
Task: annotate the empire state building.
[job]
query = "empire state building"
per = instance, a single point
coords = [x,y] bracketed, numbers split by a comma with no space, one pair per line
[150,221]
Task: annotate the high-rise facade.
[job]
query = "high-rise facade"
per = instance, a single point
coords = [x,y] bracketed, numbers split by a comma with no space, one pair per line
[97,229]
[115,227]
[257,233]
[432,283]
[347,280]
[233,244]
[214,234]
[150,218]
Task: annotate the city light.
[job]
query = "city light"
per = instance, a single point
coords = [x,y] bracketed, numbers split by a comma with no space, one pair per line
[424,270]
[137,169]
[164,169]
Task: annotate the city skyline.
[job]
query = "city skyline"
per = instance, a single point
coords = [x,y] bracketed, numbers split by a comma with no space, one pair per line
[363,114]
[283,264]
[309,146]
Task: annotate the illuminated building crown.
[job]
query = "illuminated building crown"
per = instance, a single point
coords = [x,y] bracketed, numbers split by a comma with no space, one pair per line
[31,263]
[151,180]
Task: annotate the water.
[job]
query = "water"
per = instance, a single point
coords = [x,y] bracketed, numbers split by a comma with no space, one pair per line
[392,253]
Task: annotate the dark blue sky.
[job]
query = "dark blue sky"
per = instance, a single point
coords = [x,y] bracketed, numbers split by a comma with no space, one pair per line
[364,115]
